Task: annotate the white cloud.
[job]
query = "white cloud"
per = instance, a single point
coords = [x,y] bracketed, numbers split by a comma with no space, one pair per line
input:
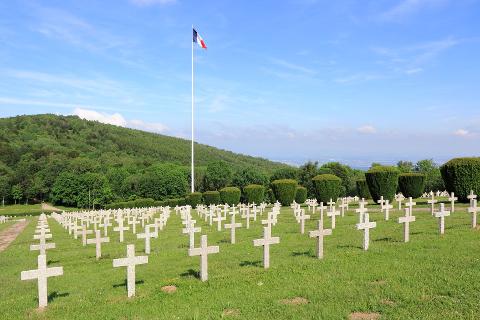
[119,120]
[145,3]
[115,118]
[461,133]
[406,8]
[293,67]
[368,129]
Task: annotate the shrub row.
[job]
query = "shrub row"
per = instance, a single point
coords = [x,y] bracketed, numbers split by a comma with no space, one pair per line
[362,189]
[461,175]
[411,184]
[382,181]
[327,186]
[284,190]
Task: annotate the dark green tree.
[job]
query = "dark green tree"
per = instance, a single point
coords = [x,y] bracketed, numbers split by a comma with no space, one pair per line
[218,175]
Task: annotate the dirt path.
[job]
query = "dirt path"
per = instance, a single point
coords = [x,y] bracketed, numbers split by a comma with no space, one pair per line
[48,207]
[7,236]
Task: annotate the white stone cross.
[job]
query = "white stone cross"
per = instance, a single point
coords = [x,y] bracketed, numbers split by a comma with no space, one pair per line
[42,274]
[432,202]
[147,235]
[399,198]
[266,242]
[232,226]
[85,232]
[331,203]
[130,262]
[441,216]
[219,218]
[43,246]
[410,204]
[203,251]
[406,223]
[321,208]
[381,202]
[134,223]
[452,200]
[333,215]
[361,209]
[319,234]
[387,208]
[473,209]
[270,220]
[301,219]
[97,241]
[190,230]
[471,196]
[120,228]
[366,225]
[343,206]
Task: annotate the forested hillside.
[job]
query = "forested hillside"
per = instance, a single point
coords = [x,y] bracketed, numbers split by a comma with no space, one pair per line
[76,162]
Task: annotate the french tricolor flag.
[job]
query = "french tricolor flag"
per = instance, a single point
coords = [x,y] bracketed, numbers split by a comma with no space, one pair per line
[198,39]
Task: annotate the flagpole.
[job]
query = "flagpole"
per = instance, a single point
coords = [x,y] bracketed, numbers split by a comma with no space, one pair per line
[193,104]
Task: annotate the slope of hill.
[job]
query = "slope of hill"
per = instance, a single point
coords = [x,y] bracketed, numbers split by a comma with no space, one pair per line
[71,136]
[69,160]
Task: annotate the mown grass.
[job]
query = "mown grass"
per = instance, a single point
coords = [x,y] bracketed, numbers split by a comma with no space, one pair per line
[20,210]
[431,277]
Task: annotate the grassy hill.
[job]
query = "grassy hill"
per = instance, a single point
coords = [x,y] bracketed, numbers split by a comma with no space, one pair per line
[70,136]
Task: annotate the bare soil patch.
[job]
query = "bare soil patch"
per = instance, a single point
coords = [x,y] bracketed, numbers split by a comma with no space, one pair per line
[9,235]
[297,301]
[230,313]
[364,316]
[169,289]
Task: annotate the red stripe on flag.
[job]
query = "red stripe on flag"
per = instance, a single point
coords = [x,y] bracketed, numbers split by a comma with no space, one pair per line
[202,43]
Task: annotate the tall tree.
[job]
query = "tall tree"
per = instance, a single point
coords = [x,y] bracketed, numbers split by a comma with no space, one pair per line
[218,175]
[433,177]
[306,173]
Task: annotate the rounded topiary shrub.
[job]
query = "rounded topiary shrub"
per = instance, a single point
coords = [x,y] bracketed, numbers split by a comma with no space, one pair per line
[382,181]
[254,193]
[301,195]
[411,184]
[362,189]
[211,197]
[327,186]
[461,175]
[284,190]
[230,195]
[194,199]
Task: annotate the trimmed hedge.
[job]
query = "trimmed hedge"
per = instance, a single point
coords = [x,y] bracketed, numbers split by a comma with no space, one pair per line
[284,190]
[211,197]
[411,184]
[382,181]
[254,193]
[327,186]
[138,203]
[362,189]
[230,195]
[194,199]
[301,195]
[461,175]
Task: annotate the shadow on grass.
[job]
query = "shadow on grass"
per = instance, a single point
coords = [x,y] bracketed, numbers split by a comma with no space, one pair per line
[124,283]
[308,253]
[349,246]
[257,263]
[52,261]
[54,295]
[223,241]
[190,273]
[386,239]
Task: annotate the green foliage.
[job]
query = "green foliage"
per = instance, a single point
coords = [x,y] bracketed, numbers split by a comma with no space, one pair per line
[433,177]
[362,189]
[254,193]
[230,195]
[194,199]
[327,187]
[411,184]
[382,181]
[138,203]
[270,196]
[346,174]
[306,173]
[405,166]
[301,195]
[36,150]
[461,175]
[211,197]
[218,175]
[284,190]
[285,173]
[249,175]
[17,192]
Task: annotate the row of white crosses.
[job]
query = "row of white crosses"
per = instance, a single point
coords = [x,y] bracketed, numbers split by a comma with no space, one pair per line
[42,273]
[3,219]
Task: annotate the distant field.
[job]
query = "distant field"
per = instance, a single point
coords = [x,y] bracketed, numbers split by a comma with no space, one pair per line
[431,277]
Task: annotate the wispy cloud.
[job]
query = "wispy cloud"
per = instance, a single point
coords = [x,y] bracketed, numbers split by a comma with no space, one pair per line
[367,129]
[461,133]
[407,8]
[292,66]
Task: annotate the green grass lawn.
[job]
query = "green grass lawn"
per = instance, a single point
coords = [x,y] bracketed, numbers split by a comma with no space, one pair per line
[27,210]
[431,277]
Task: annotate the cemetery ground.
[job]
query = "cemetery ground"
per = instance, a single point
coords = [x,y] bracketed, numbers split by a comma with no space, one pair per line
[430,277]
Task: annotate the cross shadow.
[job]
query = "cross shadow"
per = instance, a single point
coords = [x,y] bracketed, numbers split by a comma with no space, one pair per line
[303,253]
[49,262]
[257,263]
[349,246]
[190,273]
[386,239]
[224,241]
[54,295]
[124,283]
[183,245]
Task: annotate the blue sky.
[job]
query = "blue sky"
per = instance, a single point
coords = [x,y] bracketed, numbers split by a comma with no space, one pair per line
[293,80]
